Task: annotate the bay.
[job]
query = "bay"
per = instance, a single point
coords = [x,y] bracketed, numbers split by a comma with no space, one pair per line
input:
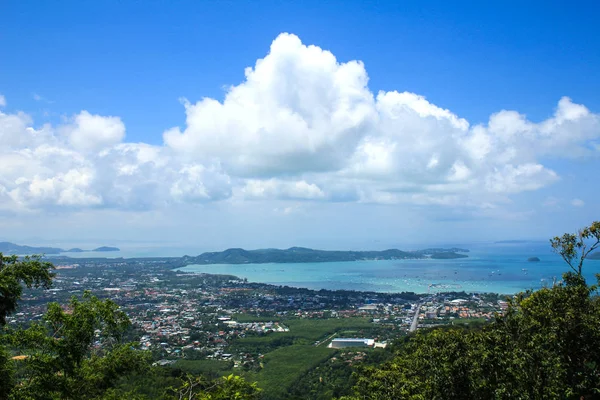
[496,267]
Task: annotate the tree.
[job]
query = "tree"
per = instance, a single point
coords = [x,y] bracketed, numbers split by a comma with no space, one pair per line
[14,273]
[76,352]
[574,248]
[226,388]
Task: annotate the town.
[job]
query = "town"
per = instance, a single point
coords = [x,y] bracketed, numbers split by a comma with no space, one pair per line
[219,323]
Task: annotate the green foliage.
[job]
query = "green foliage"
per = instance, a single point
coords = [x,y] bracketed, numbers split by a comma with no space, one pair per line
[229,387]
[204,367]
[284,365]
[16,272]
[546,346]
[333,377]
[575,248]
[6,374]
[75,353]
[78,351]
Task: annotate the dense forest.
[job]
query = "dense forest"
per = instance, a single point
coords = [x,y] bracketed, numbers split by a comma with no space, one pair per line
[545,346]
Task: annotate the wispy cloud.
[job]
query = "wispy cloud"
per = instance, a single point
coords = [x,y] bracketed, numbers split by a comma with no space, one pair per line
[577,203]
[40,98]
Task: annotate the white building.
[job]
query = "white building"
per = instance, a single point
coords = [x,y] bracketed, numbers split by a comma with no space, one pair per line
[340,343]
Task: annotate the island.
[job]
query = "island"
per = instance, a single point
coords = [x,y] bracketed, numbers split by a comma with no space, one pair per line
[306,255]
[106,248]
[533,259]
[12,248]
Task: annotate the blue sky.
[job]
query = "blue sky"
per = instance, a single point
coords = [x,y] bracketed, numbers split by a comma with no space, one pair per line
[106,77]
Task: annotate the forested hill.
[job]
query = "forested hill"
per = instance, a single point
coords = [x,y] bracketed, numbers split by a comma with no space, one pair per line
[304,255]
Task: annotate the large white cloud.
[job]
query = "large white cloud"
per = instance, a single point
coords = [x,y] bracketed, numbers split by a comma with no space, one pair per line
[94,132]
[301,126]
[298,110]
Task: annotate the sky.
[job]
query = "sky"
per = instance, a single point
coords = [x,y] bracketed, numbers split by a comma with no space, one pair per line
[338,124]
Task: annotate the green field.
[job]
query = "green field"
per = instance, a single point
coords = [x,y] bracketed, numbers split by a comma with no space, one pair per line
[302,332]
[284,365]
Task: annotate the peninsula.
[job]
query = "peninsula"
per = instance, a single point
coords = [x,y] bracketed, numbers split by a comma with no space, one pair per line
[306,255]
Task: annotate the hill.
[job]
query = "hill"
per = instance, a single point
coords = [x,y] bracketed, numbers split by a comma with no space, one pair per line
[106,248]
[12,248]
[305,255]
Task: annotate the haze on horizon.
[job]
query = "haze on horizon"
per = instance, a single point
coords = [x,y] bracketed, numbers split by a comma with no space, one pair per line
[235,124]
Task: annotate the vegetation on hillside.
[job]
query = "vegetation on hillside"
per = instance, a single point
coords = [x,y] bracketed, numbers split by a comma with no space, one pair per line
[80,350]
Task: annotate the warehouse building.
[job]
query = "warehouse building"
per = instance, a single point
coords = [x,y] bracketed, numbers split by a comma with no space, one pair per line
[340,343]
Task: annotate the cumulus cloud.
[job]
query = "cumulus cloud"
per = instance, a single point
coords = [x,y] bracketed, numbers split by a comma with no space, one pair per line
[94,132]
[301,115]
[298,110]
[301,126]
[84,164]
[2,101]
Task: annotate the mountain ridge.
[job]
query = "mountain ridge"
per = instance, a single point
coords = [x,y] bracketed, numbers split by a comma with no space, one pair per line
[304,255]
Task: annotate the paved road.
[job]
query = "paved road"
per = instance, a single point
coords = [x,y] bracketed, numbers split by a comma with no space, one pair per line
[325,340]
[415,322]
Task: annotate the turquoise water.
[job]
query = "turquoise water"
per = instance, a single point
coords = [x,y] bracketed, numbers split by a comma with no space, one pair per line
[499,268]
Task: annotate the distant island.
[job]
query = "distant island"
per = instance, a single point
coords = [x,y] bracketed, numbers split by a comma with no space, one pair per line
[106,248]
[594,256]
[533,259]
[306,255]
[12,248]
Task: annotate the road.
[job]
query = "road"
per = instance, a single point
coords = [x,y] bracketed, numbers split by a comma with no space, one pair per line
[415,321]
[325,340]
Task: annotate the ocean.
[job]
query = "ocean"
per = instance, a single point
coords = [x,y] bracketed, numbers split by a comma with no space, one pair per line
[495,267]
